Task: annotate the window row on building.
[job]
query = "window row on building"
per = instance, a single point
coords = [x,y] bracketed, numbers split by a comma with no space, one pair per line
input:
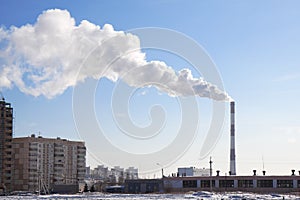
[233,182]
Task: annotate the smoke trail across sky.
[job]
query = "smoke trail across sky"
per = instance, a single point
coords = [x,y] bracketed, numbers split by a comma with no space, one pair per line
[45,59]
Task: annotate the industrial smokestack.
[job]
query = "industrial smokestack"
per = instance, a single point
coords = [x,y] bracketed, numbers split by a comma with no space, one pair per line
[232,139]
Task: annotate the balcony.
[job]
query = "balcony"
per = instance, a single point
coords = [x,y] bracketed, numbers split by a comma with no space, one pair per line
[8,140]
[7,173]
[33,149]
[82,159]
[58,155]
[58,166]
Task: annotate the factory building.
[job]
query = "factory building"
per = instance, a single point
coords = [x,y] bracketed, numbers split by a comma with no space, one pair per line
[257,184]
[136,186]
[43,164]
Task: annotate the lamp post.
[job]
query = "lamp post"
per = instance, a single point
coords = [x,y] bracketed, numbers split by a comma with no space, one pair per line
[225,182]
[162,170]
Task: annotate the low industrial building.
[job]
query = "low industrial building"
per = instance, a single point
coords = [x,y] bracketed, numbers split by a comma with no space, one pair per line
[258,184]
[144,186]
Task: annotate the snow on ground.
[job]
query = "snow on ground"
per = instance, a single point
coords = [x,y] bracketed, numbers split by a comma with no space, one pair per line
[190,195]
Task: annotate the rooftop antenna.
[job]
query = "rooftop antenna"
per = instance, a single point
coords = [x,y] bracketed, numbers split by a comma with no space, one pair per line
[263,163]
[2,97]
[264,171]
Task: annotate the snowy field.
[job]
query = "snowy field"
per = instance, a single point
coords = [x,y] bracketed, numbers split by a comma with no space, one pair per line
[196,195]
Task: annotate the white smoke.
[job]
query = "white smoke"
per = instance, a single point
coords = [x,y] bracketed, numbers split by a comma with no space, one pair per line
[45,59]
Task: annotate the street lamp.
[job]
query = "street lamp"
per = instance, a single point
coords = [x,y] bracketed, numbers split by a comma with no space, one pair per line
[162,170]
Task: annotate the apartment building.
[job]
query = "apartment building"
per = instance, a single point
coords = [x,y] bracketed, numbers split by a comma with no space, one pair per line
[43,163]
[131,173]
[113,175]
[6,130]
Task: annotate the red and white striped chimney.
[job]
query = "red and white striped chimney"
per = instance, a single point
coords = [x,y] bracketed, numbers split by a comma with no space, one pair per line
[232,139]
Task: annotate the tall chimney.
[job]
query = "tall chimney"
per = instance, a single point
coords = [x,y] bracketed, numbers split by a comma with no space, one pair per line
[232,140]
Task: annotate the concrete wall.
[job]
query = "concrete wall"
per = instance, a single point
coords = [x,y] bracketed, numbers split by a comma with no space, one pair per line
[65,189]
[144,186]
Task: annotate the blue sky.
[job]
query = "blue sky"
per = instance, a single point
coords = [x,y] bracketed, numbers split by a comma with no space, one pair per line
[254,44]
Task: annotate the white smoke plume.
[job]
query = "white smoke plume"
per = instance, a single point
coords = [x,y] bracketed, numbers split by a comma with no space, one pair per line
[45,58]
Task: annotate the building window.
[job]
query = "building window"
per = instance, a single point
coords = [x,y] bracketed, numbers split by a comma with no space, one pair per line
[226,183]
[152,187]
[206,183]
[245,183]
[189,183]
[285,183]
[298,183]
[265,183]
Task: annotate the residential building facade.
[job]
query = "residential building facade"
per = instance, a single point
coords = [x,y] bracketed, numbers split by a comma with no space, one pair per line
[131,173]
[192,171]
[41,163]
[6,131]
[113,175]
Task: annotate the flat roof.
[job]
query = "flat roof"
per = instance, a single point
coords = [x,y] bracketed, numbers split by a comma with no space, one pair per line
[280,177]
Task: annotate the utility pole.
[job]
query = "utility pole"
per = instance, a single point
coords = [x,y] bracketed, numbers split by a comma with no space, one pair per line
[225,182]
[162,170]
[210,172]
[210,166]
